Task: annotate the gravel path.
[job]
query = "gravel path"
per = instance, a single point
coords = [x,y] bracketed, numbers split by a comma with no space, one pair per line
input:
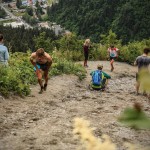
[44,121]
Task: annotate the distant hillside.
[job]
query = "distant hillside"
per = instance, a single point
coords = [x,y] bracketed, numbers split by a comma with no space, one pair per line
[129,19]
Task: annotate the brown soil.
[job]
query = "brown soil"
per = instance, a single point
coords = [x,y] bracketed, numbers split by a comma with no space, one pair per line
[44,121]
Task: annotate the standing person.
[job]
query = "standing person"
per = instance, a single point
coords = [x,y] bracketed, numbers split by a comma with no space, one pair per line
[113,54]
[86,47]
[4,55]
[99,78]
[42,62]
[142,62]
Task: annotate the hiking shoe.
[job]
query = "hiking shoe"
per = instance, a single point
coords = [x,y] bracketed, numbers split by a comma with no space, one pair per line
[112,69]
[45,87]
[41,91]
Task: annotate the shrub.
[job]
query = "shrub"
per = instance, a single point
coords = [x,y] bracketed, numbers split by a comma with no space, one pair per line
[19,75]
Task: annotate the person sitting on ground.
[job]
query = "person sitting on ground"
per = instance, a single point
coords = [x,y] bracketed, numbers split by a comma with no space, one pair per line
[143,62]
[42,62]
[113,54]
[99,78]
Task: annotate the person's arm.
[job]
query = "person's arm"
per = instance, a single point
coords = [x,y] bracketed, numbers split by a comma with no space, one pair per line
[117,52]
[32,58]
[91,73]
[49,60]
[136,62]
[6,54]
[106,75]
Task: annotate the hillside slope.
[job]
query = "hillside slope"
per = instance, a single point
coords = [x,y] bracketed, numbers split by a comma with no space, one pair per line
[44,121]
[129,19]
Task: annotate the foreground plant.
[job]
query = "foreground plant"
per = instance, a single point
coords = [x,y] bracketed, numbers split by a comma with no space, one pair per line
[84,133]
[135,117]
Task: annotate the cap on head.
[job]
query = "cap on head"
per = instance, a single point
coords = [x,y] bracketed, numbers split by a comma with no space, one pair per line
[40,52]
[99,66]
[112,46]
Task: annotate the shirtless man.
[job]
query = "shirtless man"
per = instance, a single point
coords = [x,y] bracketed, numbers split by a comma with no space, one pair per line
[42,62]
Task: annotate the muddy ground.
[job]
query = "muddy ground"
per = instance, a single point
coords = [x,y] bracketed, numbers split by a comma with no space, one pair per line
[44,121]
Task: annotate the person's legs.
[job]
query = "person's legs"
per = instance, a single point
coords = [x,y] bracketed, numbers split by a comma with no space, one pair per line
[111,64]
[46,79]
[137,83]
[104,83]
[86,58]
[137,87]
[85,63]
[39,76]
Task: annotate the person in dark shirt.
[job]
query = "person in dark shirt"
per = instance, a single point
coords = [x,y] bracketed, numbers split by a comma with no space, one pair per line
[143,62]
[86,47]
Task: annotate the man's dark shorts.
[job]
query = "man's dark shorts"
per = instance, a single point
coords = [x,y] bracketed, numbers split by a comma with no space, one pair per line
[41,66]
[112,58]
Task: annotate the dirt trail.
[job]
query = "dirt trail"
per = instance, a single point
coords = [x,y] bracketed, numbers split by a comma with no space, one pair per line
[44,121]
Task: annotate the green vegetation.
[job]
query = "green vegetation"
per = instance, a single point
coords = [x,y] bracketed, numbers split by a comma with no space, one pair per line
[129,19]
[21,39]
[19,75]
[51,1]
[64,50]
[135,118]
[18,3]
[6,21]
[2,13]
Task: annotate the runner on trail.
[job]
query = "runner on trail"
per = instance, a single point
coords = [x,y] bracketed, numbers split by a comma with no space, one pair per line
[113,54]
[143,62]
[42,62]
[99,78]
[86,47]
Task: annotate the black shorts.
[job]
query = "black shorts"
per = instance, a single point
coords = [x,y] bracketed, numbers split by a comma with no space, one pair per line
[112,58]
[42,66]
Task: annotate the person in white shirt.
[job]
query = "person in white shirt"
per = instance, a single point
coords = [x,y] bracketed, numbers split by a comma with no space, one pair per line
[113,54]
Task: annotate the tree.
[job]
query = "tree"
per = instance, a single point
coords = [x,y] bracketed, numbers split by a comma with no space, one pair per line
[18,3]
[110,39]
[29,10]
[2,13]
[44,42]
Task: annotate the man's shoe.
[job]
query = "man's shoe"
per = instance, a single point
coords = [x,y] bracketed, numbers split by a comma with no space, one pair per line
[45,87]
[41,91]
[112,69]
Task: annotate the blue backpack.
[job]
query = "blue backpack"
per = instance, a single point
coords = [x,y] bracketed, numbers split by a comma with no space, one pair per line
[97,77]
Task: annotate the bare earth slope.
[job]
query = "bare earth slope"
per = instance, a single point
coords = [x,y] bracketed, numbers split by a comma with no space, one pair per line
[44,121]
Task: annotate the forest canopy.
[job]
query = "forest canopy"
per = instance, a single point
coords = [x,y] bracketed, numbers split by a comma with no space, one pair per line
[129,19]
